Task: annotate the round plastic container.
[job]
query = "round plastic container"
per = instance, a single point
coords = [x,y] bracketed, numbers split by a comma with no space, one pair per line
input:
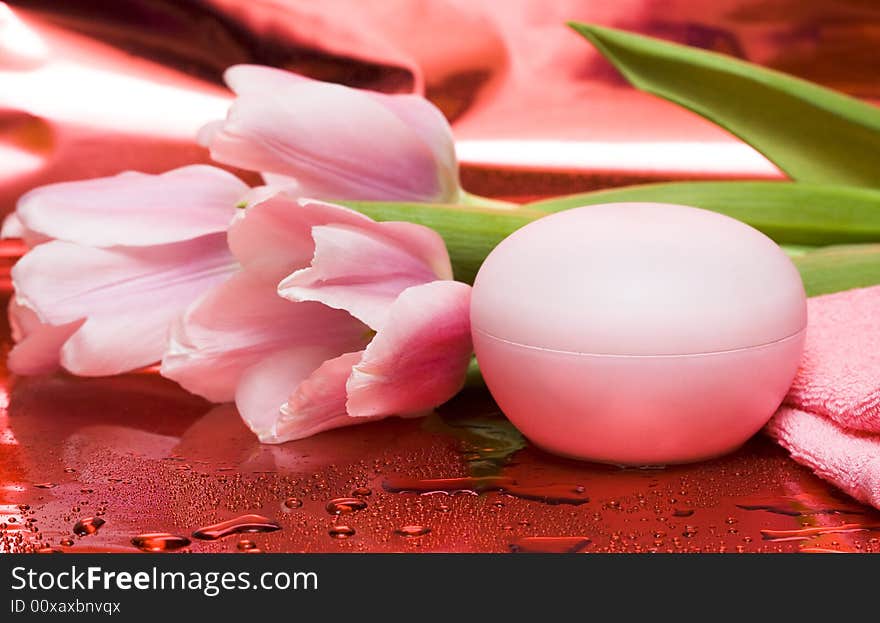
[638,333]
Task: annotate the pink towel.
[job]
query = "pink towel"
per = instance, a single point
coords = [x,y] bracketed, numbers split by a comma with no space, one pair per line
[831,416]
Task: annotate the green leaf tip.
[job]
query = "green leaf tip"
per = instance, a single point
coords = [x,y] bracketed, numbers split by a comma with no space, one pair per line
[810,132]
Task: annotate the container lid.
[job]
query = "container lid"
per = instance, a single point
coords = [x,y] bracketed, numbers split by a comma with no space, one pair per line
[638,279]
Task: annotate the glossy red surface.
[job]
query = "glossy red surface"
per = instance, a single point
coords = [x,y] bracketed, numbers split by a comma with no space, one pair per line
[144,456]
[127,89]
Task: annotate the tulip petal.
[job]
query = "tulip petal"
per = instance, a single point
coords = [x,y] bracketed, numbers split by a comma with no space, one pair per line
[415,111]
[243,321]
[273,235]
[128,296]
[37,345]
[134,209]
[12,227]
[266,386]
[318,404]
[258,79]
[325,136]
[419,359]
[357,270]
[206,133]
[428,122]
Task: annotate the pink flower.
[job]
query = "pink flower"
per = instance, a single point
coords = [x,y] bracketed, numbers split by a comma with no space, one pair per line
[112,262]
[370,323]
[334,141]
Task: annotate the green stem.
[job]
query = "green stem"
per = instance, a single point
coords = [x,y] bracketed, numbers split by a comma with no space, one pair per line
[798,216]
[469,199]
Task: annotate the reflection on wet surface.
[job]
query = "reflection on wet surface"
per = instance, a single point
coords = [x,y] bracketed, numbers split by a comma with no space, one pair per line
[133,463]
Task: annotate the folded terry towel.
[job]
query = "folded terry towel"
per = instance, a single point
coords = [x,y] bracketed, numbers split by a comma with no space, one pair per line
[839,376]
[830,418]
[848,459]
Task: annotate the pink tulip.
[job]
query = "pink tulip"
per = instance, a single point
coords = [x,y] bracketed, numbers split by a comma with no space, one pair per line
[370,323]
[334,141]
[112,262]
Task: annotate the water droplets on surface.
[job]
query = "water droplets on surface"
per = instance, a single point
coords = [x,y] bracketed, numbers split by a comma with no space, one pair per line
[338,506]
[87,525]
[412,531]
[159,542]
[547,493]
[806,533]
[341,531]
[236,525]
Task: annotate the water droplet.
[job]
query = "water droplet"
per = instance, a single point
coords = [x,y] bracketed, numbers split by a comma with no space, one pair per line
[236,525]
[549,544]
[820,550]
[293,503]
[682,512]
[345,505]
[548,493]
[67,542]
[801,505]
[412,531]
[87,525]
[362,492]
[442,508]
[159,542]
[45,485]
[341,532]
[806,533]
[689,531]
[246,544]
[69,470]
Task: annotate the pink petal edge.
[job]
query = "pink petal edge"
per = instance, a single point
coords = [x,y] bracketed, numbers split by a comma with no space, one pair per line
[357,270]
[419,360]
[265,386]
[132,208]
[238,323]
[37,345]
[125,295]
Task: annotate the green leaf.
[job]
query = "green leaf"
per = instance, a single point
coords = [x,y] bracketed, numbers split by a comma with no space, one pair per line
[833,269]
[790,213]
[487,440]
[812,133]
